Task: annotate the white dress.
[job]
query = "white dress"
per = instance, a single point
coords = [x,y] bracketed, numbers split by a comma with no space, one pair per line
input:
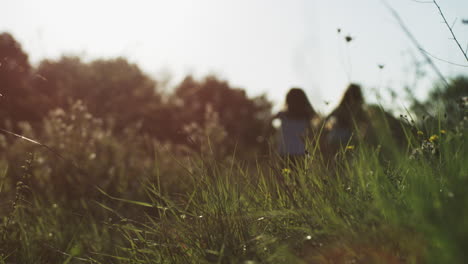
[291,135]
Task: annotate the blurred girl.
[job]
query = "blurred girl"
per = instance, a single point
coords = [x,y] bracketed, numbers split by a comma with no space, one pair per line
[296,125]
[349,117]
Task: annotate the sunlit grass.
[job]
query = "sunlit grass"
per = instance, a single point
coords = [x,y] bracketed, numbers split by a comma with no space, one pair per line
[134,204]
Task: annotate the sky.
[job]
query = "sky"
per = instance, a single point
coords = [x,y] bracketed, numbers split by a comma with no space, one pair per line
[263,46]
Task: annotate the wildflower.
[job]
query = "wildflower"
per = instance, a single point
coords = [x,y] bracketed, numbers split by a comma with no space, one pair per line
[433,138]
[420,133]
[350,147]
[286,171]
[443,132]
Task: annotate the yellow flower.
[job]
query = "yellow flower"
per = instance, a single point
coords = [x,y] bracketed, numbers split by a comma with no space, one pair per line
[443,132]
[433,138]
[286,171]
[420,133]
[350,147]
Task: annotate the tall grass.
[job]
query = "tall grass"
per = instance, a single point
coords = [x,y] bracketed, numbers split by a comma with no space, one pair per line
[139,202]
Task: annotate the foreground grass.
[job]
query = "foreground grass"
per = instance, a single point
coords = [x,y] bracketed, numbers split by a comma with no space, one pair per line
[379,204]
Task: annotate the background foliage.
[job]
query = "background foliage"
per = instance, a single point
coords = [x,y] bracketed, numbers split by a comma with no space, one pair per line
[124,172]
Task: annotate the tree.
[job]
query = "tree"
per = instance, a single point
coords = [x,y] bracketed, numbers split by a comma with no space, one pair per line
[111,88]
[444,102]
[15,70]
[244,119]
[116,90]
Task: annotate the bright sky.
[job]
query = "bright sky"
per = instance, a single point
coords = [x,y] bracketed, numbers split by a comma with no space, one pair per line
[264,46]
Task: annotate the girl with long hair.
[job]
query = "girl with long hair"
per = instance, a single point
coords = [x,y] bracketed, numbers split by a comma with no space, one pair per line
[347,119]
[296,125]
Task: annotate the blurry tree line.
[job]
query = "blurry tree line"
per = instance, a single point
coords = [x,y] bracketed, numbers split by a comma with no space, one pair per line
[113,120]
[446,103]
[122,95]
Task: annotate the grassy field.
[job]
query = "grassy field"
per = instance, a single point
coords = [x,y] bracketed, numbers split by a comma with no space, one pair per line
[105,198]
